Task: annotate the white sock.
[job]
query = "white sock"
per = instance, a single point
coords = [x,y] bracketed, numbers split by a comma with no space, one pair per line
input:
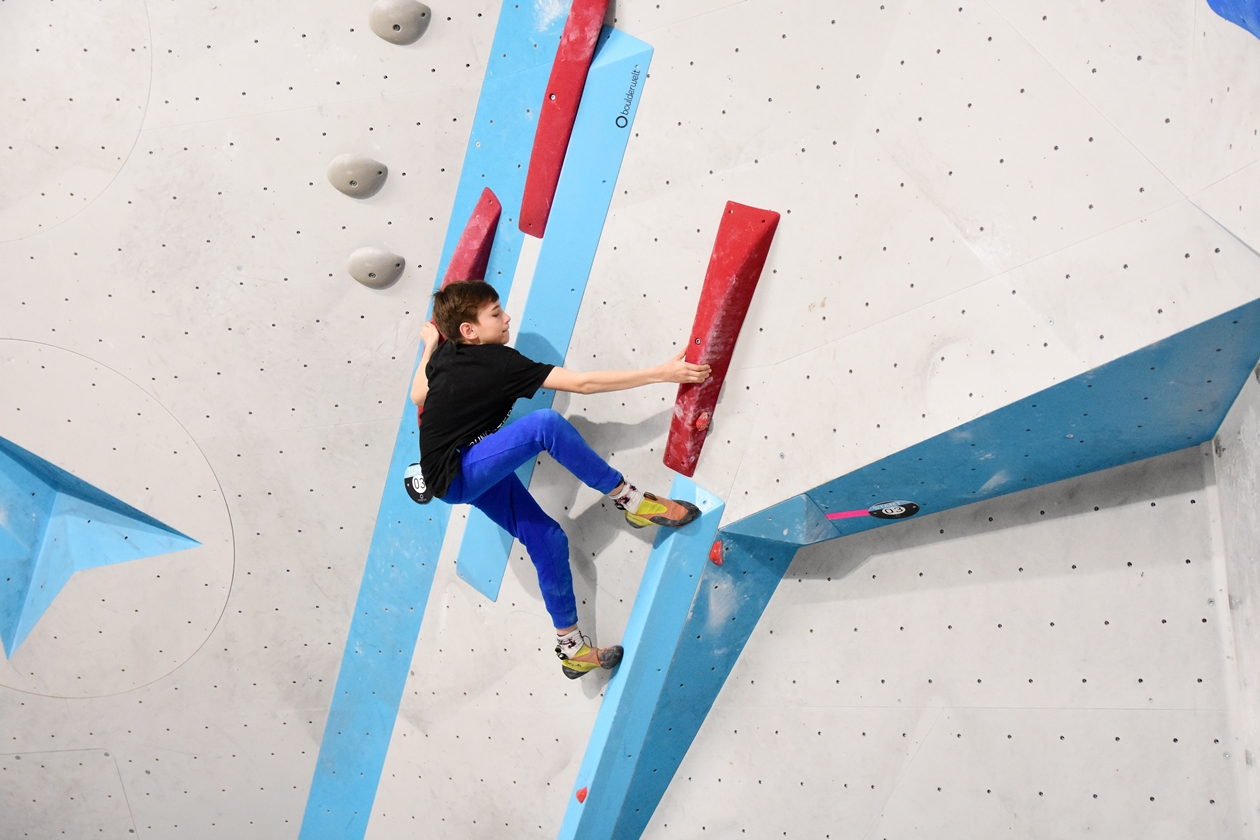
[570,643]
[629,498]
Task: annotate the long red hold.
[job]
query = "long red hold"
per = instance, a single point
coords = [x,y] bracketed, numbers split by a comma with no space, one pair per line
[739,254]
[559,110]
[472,253]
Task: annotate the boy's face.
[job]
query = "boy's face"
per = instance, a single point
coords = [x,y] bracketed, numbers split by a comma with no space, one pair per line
[491,327]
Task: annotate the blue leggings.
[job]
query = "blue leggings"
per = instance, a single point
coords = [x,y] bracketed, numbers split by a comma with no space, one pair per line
[487,481]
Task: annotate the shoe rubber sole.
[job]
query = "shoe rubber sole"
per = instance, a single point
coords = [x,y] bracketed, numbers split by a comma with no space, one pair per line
[644,521]
[609,658]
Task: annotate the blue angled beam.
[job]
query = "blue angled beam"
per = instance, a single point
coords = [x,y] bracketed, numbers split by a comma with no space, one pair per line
[1167,396]
[407,540]
[687,667]
[596,148]
[670,580]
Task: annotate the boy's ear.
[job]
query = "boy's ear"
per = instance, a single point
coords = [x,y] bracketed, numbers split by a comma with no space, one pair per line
[468,332]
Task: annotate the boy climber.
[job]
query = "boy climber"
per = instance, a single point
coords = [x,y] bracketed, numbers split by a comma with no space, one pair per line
[467,387]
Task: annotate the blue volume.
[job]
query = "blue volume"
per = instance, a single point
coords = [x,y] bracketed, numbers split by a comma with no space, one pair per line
[1245,13]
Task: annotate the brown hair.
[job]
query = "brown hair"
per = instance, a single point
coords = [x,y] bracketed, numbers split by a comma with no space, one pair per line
[461,303]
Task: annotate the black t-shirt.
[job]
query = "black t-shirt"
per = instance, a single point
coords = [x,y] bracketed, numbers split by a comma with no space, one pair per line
[472,388]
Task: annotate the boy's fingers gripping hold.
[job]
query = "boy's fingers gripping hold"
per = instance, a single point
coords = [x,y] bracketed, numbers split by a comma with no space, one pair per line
[679,370]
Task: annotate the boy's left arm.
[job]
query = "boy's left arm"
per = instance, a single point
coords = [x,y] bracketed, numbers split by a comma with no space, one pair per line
[420,384]
[602,381]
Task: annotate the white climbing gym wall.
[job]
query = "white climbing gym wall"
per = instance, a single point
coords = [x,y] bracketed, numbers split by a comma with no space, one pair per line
[979,201]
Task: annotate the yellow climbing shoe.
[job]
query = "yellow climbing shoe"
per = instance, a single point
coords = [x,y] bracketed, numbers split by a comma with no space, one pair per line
[668,513]
[587,659]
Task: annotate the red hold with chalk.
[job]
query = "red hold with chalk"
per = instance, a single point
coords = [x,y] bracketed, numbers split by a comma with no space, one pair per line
[559,110]
[739,254]
[472,252]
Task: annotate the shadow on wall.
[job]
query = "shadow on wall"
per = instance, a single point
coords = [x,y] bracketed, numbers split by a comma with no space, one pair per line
[1149,480]
[595,527]
[538,348]
[593,530]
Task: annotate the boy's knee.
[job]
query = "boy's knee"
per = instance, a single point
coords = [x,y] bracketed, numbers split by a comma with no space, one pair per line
[557,540]
[549,417]
[548,424]
[545,536]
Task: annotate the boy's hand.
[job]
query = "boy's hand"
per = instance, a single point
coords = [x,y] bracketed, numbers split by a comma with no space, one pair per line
[429,334]
[677,370]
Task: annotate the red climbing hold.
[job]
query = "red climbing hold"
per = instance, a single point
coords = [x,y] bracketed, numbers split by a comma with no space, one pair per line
[715,553]
[581,795]
[472,253]
[559,110]
[739,254]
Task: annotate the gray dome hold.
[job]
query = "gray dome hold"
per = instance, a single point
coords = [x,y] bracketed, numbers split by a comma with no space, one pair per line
[357,176]
[399,21]
[375,268]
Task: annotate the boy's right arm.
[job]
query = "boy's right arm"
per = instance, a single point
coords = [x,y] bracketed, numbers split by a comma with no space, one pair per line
[420,384]
[676,369]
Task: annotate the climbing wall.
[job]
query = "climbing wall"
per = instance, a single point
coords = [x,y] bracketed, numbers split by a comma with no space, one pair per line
[977,202]
[1053,661]
[1237,469]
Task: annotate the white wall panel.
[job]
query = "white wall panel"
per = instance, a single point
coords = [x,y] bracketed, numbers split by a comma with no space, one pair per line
[76,94]
[280,380]
[1238,468]
[1188,101]
[1234,202]
[81,788]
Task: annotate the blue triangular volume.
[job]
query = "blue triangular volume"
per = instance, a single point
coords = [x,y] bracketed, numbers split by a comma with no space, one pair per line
[26,503]
[53,524]
[63,482]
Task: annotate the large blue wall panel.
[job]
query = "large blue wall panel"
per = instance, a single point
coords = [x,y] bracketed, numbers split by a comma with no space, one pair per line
[619,738]
[407,539]
[585,191]
[727,604]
